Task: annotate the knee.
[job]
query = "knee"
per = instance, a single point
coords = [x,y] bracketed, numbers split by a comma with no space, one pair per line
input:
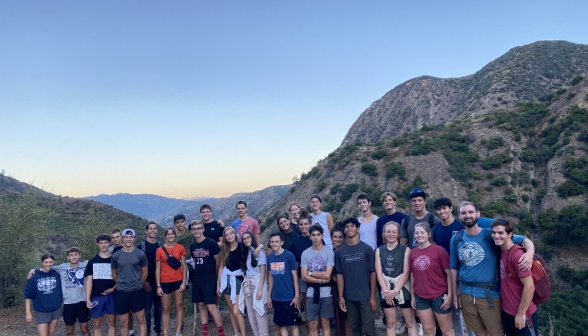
[165,310]
[201,306]
[179,306]
[428,330]
[312,324]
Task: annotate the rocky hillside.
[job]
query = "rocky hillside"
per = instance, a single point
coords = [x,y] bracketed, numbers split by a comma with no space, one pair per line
[524,73]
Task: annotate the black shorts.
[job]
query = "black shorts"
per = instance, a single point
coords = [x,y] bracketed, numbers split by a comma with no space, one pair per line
[204,290]
[125,301]
[283,313]
[406,304]
[75,312]
[170,287]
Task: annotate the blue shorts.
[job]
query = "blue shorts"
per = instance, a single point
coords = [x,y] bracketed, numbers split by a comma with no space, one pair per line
[105,306]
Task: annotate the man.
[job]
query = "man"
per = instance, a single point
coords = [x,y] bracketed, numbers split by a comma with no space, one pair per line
[418,199]
[356,280]
[183,236]
[474,262]
[301,243]
[100,287]
[389,201]
[205,259]
[212,229]
[116,240]
[149,246]
[129,271]
[282,286]
[368,230]
[516,291]
[245,223]
[317,264]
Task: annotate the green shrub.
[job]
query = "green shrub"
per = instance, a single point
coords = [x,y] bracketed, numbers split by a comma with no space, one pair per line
[347,191]
[379,154]
[570,96]
[495,208]
[335,189]
[321,186]
[561,91]
[369,169]
[398,141]
[499,182]
[495,161]
[570,188]
[566,228]
[535,183]
[395,168]
[527,155]
[495,142]
[576,80]
[525,198]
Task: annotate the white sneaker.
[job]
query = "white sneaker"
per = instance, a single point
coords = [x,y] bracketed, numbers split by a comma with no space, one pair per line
[400,327]
[131,332]
[421,332]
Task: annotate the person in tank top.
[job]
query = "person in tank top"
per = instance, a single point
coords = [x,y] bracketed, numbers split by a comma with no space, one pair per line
[324,219]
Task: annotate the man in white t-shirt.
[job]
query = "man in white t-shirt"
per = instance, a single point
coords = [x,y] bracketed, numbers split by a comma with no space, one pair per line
[369,226]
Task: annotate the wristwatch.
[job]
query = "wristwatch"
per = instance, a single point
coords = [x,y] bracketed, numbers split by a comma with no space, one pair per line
[158,285]
[309,273]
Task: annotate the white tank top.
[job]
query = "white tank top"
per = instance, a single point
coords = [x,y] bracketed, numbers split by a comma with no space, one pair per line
[321,219]
[367,232]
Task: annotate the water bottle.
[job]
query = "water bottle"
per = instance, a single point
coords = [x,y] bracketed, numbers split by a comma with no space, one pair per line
[93,304]
[251,248]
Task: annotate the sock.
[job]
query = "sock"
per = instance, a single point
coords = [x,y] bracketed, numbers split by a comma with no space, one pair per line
[205,330]
[221,331]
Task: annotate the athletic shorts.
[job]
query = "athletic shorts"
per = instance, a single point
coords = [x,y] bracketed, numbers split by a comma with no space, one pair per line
[283,313]
[75,312]
[323,309]
[406,304]
[105,306]
[239,281]
[46,317]
[125,301]
[302,285]
[435,304]
[204,291]
[170,287]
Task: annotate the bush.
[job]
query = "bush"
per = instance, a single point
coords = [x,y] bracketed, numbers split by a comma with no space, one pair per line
[335,189]
[495,142]
[495,161]
[527,155]
[379,154]
[347,192]
[570,188]
[499,182]
[565,228]
[570,96]
[576,80]
[396,168]
[369,169]
[525,198]
[321,186]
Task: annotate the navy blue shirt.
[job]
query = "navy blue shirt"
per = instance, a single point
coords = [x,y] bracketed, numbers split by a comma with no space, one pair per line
[300,244]
[395,217]
[442,234]
[45,291]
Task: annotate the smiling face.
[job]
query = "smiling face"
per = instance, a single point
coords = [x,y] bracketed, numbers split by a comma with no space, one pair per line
[152,231]
[170,235]
[180,224]
[391,233]
[230,236]
[206,215]
[315,204]
[351,230]
[421,235]
[47,264]
[128,240]
[364,205]
[500,236]
[284,224]
[337,239]
[304,225]
[275,243]
[468,215]
[417,203]
[294,211]
[241,210]
[389,203]
[246,239]
[444,212]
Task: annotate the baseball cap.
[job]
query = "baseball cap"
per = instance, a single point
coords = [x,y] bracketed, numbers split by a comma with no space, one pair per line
[128,232]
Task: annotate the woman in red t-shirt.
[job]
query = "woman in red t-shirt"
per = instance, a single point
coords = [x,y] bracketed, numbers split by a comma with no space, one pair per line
[429,280]
[170,280]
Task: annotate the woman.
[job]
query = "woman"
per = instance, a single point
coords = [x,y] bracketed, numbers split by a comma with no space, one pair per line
[294,210]
[324,219]
[392,272]
[430,282]
[341,326]
[230,277]
[43,289]
[287,232]
[170,280]
[253,295]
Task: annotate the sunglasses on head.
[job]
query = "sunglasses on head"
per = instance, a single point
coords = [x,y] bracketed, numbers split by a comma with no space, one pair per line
[503,221]
[414,191]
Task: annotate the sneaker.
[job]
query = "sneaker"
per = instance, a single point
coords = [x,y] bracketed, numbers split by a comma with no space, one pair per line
[131,332]
[400,327]
[420,326]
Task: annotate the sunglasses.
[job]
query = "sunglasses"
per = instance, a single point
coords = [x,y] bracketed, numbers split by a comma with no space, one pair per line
[416,191]
[503,221]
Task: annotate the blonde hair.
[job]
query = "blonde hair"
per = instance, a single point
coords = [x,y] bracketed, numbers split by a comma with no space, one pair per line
[384,231]
[386,194]
[427,229]
[226,246]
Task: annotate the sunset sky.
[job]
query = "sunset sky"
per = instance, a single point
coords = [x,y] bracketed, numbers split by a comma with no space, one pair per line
[194,98]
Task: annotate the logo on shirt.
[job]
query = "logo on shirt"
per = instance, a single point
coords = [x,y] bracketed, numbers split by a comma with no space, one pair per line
[46,284]
[471,253]
[422,263]
[278,268]
[353,257]
[74,278]
[201,253]
[102,271]
[317,264]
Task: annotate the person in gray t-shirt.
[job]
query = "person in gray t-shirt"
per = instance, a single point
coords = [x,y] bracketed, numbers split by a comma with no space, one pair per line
[418,200]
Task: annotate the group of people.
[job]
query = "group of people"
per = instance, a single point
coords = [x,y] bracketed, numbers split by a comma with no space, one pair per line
[436,271]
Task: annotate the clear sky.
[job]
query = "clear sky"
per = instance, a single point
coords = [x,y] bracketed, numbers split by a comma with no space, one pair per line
[187,98]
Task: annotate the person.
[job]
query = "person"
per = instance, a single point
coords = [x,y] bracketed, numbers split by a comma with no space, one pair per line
[213,229]
[474,262]
[324,219]
[283,286]
[317,263]
[418,199]
[367,232]
[171,280]
[149,246]
[254,291]
[294,210]
[230,278]
[519,313]
[116,240]
[392,271]
[356,280]
[129,271]
[43,292]
[442,235]
[285,226]
[342,328]
[184,236]
[245,223]
[388,200]
[430,281]
[100,287]
[205,258]
[301,243]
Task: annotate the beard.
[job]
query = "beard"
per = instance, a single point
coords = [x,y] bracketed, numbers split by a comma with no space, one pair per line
[470,222]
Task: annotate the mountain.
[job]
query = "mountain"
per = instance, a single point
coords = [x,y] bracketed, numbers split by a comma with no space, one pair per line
[526,73]
[143,205]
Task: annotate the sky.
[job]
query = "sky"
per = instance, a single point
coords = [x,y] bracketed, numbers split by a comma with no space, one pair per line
[209,98]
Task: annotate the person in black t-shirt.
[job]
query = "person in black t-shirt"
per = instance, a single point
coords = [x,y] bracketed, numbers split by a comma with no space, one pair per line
[205,259]
[149,246]
[212,229]
[100,287]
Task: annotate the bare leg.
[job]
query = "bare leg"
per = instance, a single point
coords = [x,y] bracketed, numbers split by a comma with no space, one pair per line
[409,321]
[218,320]
[84,329]
[98,326]
[179,298]
[140,315]
[428,321]
[238,317]
[111,320]
[70,330]
[444,321]
[123,321]
[312,328]
[295,331]
[165,309]
[231,315]
[326,325]
[43,329]
[390,314]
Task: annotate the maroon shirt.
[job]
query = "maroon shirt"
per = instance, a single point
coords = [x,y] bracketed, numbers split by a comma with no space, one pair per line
[428,266]
[511,290]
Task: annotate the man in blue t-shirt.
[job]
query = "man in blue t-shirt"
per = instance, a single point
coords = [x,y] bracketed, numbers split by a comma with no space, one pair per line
[388,199]
[282,285]
[474,259]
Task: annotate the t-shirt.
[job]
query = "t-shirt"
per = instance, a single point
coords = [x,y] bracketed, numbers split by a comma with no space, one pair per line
[407,229]
[114,248]
[128,268]
[101,272]
[281,267]
[318,262]
[72,282]
[395,217]
[428,266]
[45,291]
[203,255]
[261,260]
[392,262]
[475,260]
[321,219]
[249,224]
[234,260]
[213,230]
[355,263]
[300,245]
[150,249]
[185,240]
[511,290]
[367,232]
[295,228]
[442,234]
[288,239]
[168,273]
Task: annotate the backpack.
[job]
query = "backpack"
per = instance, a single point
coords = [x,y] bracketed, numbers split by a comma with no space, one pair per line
[142,245]
[406,219]
[540,275]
